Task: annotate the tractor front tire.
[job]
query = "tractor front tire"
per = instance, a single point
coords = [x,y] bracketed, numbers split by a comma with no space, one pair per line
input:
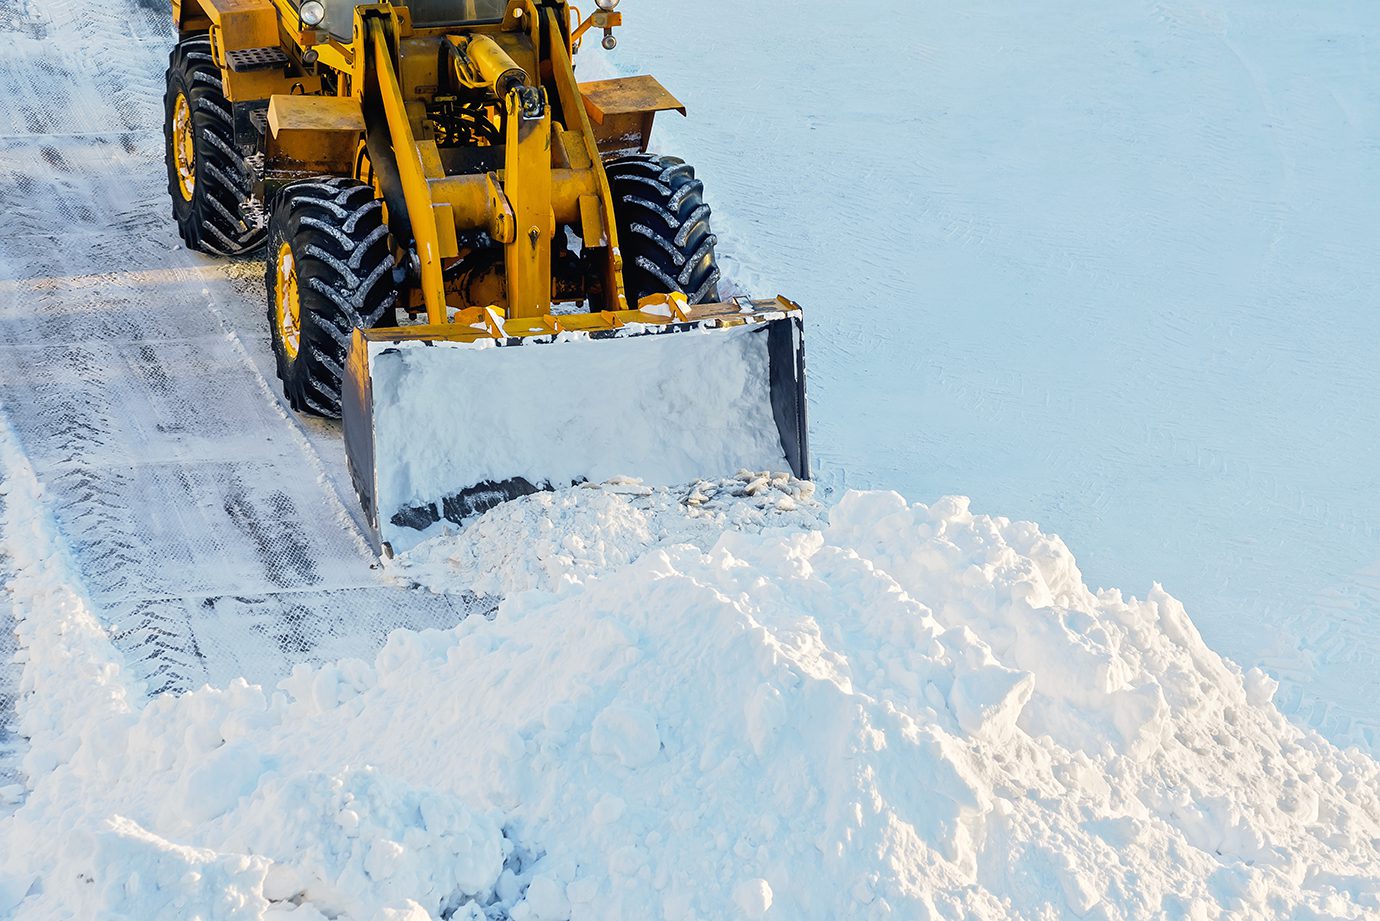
[329,272]
[663,229]
[208,179]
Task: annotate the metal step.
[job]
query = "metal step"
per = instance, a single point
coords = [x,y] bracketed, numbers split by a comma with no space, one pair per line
[250,59]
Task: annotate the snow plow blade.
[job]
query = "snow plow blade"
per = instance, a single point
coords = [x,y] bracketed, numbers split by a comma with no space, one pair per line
[442,423]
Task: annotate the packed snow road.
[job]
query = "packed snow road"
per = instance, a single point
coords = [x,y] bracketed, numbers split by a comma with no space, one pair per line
[213,529]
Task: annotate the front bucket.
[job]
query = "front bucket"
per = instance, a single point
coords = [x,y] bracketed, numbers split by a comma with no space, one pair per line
[442,423]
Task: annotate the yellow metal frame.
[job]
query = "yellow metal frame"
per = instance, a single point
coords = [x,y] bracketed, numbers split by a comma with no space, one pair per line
[528,187]
[410,166]
[607,20]
[523,206]
[572,104]
[623,110]
[478,325]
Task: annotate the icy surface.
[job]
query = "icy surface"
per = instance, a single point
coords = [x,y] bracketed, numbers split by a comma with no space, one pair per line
[696,707]
[448,417]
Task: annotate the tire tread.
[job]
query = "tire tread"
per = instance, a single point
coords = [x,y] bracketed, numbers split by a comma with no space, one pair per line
[344,264]
[663,228]
[213,221]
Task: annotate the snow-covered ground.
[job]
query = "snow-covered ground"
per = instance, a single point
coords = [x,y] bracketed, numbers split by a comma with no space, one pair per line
[708,703]
[1106,266]
[11,782]
[1102,267]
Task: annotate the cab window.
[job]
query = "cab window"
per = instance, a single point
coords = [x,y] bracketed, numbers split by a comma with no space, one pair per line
[454,12]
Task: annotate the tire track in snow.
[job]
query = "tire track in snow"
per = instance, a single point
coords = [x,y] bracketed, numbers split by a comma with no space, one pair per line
[208,522]
[11,744]
[1342,629]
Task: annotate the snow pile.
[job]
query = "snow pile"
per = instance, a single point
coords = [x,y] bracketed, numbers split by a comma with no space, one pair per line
[552,539]
[696,704]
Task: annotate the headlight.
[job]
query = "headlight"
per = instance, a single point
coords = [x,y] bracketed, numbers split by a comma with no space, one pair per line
[607,5]
[313,11]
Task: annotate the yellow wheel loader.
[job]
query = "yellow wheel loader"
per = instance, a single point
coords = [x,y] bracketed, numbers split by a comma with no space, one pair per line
[471,258]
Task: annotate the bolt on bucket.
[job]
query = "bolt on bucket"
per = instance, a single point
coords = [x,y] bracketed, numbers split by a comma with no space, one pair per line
[442,423]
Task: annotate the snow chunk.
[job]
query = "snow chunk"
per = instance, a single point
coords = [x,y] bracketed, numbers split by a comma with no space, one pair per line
[989,701]
[626,734]
[753,898]
[1260,687]
[211,787]
[545,900]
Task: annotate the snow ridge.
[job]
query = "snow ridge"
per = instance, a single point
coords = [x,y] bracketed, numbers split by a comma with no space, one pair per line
[90,727]
[722,700]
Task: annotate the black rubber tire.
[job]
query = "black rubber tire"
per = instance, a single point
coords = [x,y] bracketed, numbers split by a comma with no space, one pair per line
[344,267]
[214,220]
[663,228]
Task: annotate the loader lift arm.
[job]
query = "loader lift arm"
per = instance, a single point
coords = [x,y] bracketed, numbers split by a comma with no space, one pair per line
[523,210]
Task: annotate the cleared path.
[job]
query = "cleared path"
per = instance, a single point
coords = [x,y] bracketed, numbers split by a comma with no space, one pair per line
[215,530]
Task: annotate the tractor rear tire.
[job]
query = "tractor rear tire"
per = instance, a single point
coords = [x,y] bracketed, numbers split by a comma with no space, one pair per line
[329,272]
[208,180]
[663,229]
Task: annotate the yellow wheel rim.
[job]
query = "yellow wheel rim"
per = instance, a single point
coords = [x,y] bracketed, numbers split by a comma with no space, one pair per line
[288,308]
[184,148]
